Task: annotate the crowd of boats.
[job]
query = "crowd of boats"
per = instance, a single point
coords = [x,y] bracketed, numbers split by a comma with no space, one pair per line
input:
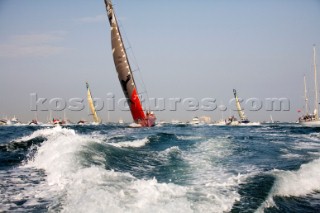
[54,121]
[196,121]
[230,121]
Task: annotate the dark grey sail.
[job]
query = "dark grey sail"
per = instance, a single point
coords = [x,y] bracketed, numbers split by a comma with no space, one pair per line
[124,71]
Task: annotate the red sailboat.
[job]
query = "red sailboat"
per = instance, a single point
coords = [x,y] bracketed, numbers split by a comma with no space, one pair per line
[125,74]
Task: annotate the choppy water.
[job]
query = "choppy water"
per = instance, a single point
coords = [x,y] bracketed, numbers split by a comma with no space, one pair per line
[169,168]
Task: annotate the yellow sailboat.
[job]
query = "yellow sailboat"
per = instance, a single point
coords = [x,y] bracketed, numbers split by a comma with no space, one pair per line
[243,118]
[96,119]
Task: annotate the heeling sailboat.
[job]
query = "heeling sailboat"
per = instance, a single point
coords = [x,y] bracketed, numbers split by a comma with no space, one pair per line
[312,120]
[96,119]
[243,118]
[125,74]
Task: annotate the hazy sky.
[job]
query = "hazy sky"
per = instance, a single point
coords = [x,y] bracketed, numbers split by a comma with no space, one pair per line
[185,49]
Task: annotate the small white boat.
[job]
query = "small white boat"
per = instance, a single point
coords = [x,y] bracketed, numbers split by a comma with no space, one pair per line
[195,120]
[13,121]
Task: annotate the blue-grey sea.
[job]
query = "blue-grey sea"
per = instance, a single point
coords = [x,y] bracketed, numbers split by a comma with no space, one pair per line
[167,168]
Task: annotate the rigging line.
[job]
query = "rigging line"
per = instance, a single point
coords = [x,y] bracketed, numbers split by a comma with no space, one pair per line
[136,70]
[135,63]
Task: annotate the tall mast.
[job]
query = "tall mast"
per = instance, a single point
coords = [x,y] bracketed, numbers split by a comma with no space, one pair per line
[305,95]
[123,68]
[240,111]
[316,107]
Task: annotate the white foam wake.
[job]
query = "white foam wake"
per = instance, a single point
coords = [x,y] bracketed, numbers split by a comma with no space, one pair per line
[302,182]
[298,183]
[98,190]
[189,137]
[83,187]
[212,182]
[57,155]
[134,143]
[93,188]
[47,132]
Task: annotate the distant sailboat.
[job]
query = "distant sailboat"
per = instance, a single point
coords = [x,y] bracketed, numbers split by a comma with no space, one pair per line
[13,121]
[125,74]
[271,119]
[243,118]
[96,119]
[311,120]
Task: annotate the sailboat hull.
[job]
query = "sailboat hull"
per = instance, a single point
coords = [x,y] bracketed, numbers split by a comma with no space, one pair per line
[239,123]
[149,121]
[310,123]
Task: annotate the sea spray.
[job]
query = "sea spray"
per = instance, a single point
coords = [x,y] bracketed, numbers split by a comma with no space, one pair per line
[304,181]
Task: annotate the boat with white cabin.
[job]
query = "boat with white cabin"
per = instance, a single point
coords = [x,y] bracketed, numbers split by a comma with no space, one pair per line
[195,120]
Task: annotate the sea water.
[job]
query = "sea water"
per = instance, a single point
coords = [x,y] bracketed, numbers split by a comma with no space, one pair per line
[167,168]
